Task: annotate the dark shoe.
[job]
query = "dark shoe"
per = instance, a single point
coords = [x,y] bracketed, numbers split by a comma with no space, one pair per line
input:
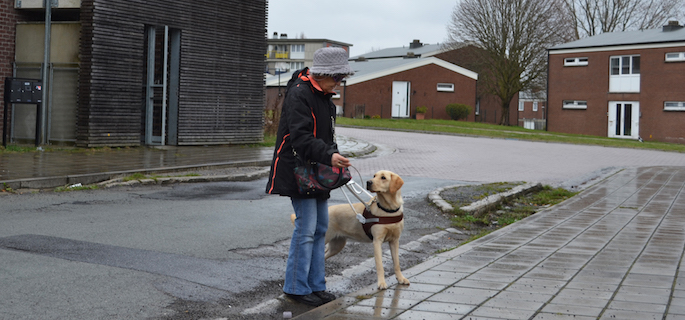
[310,299]
[325,296]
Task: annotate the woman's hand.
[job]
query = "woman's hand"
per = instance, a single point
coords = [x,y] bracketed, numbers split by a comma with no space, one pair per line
[339,161]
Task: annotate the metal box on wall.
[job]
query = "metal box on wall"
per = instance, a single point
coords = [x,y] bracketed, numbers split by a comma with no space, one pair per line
[37,4]
[23,91]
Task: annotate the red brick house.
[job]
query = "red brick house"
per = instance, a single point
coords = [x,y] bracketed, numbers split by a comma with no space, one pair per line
[395,87]
[488,106]
[531,110]
[628,85]
[432,75]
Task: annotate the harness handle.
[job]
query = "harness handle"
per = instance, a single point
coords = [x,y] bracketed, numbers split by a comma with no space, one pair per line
[356,190]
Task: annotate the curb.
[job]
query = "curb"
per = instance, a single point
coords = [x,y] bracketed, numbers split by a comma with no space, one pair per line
[484,204]
[170,180]
[354,148]
[102,178]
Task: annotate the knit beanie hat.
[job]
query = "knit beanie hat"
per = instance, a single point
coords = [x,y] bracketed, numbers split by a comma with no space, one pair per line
[331,61]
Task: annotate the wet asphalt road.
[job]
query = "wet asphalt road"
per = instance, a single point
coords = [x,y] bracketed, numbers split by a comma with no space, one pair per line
[217,250]
[187,251]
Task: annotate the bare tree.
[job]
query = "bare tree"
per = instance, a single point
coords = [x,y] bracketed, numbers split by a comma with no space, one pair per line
[593,17]
[514,35]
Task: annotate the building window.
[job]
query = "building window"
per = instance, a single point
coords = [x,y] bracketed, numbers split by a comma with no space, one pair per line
[575,104]
[521,103]
[297,48]
[624,74]
[535,106]
[297,51]
[675,56]
[446,87]
[296,65]
[574,62]
[674,106]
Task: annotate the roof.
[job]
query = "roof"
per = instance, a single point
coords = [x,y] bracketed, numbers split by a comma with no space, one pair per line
[373,69]
[423,51]
[306,40]
[651,37]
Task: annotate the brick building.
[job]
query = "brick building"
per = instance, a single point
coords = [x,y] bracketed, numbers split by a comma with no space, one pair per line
[394,88]
[531,110]
[628,85]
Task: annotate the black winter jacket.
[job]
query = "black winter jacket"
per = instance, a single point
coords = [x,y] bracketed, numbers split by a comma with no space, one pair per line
[307,125]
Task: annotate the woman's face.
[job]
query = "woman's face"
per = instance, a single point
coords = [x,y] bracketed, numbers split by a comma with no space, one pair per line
[328,84]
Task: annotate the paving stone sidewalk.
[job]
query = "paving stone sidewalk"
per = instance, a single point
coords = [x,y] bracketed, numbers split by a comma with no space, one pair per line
[612,252]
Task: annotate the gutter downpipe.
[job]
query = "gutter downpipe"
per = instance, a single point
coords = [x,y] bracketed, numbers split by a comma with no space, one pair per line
[546,112]
[344,95]
[46,63]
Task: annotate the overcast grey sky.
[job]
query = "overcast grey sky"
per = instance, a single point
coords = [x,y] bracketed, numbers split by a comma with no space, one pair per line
[366,24]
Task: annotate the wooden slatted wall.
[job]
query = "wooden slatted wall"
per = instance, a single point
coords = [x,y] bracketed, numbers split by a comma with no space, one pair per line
[221,95]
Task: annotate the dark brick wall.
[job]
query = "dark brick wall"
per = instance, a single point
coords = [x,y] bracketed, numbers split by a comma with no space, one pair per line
[528,112]
[8,22]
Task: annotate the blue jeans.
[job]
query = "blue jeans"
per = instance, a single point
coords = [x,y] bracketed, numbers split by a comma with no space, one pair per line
[305,272]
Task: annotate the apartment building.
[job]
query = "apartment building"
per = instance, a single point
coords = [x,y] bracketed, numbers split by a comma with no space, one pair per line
[286,54]
[627,85]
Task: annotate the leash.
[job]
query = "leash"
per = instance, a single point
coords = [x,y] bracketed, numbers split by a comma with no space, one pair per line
[357,190]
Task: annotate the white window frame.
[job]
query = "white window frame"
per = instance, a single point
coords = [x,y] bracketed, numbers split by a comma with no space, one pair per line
[297,48]
[297,51]
[574,104]
[576,62]
[674,106]
[627,77]
[674,57]
[296,65]
[522,105]
[445,87]
[535,106]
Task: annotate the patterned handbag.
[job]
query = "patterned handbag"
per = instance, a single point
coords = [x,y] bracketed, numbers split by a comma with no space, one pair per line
[314,178]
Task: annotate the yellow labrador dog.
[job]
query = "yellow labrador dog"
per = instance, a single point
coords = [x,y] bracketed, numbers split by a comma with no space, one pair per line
[384,223]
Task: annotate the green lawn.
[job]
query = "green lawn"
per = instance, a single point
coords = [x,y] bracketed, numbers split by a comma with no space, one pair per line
[504,132]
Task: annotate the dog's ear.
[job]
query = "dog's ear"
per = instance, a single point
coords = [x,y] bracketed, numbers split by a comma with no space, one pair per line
[395,183]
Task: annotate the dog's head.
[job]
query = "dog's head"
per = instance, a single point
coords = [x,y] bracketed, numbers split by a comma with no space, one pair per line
[385,181]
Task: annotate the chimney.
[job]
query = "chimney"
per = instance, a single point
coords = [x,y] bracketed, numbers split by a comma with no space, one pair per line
[672,26]
[415,44]
[284,36]
[275,36]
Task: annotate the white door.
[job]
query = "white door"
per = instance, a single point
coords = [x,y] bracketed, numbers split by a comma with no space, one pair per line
[624,119]
[400,99]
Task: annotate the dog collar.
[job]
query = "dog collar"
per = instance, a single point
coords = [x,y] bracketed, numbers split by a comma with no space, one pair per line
[386,210]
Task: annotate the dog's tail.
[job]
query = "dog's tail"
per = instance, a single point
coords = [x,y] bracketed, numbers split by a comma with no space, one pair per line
[292,218]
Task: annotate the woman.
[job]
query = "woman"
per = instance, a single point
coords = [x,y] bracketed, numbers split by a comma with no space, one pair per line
[307,131]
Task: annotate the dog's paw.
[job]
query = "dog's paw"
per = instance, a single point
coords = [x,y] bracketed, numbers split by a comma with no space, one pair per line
[382,285]
[403,280]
